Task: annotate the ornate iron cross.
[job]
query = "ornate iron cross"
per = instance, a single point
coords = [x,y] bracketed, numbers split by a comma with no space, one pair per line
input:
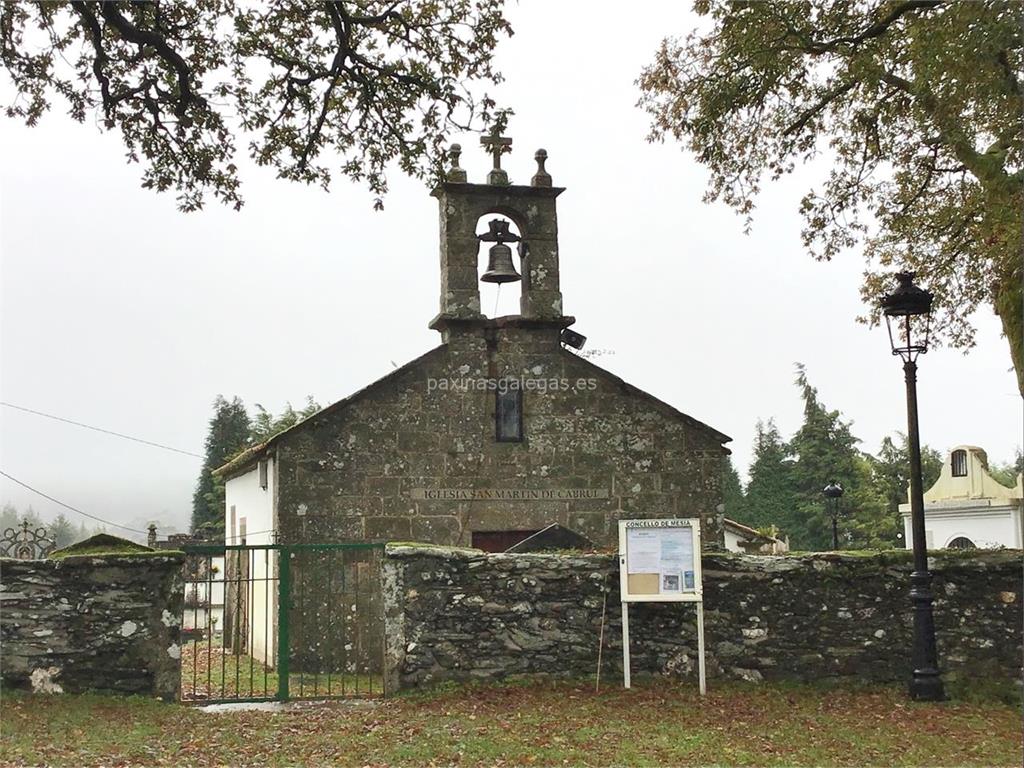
[25,543]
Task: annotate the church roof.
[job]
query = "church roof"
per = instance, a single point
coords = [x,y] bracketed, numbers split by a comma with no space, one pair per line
[250,455]
[247,457]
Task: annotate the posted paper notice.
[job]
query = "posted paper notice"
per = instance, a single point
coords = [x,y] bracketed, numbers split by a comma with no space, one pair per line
[643,546]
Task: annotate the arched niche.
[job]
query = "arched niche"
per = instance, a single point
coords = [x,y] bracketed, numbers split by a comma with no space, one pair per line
[499,299]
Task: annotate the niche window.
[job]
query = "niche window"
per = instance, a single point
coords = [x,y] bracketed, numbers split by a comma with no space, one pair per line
[508,415]
[958,462]
[263,474]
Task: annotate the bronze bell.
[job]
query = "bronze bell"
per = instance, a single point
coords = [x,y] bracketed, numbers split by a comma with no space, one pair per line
[500,268]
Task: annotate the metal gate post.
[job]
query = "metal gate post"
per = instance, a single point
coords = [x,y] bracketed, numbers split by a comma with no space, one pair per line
[284,589]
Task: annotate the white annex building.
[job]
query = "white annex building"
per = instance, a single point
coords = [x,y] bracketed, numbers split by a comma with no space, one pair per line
[968,508]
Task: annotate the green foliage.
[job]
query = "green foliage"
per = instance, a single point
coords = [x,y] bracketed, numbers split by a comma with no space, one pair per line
[10,517]
[825,451]
[916,108]
[732,493]
[232,431]
[771,494]
[890,470]
[228,434]
[102,544]
[61,531]
[360,85]
[265,425]
[1006,474]
[787,479]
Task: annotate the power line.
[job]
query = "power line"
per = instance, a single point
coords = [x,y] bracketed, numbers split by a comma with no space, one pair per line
[248,534]
[68,506]
[100,429]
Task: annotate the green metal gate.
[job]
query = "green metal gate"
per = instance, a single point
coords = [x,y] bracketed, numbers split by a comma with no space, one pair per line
[273,622]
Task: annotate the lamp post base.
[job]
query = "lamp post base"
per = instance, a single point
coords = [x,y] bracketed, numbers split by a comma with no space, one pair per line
[926,684]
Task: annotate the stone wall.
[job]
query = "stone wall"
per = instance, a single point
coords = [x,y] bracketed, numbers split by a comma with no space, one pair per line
[461,614]
[83,623]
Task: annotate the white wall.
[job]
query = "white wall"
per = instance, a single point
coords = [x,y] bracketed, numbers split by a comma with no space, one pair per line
[986,525]
[256,505]
[252,502]
[732,541]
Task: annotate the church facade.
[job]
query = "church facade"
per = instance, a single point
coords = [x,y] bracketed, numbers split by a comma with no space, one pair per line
[499,432]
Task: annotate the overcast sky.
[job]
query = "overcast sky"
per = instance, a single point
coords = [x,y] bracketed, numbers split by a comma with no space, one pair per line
[121,312]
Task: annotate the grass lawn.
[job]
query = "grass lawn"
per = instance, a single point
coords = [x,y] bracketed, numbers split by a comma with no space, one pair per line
[535,723]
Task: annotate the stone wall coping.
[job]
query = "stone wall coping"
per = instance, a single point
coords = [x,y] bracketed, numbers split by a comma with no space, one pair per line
[735,561]
[409,549]
[406,550]
[169,557]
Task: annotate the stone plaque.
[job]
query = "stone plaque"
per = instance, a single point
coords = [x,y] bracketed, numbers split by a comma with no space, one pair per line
[508,494]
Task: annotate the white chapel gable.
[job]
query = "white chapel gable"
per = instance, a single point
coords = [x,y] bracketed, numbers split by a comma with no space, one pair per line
[965,476]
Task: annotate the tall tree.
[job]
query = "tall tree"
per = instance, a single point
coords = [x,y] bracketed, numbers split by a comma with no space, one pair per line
[825,451]
[228,434]
[11,517]
[353,84]
[733,498]
[915,104]
[771,495]
[891,472]
[8,517]
[62,531]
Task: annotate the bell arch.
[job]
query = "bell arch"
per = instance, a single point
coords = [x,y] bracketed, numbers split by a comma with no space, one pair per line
[499,265]
[532,211]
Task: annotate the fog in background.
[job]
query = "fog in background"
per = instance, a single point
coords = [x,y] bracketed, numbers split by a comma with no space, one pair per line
[119,311]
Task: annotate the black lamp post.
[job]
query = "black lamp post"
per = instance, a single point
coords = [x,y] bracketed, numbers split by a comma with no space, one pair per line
[908,317]
[833,492]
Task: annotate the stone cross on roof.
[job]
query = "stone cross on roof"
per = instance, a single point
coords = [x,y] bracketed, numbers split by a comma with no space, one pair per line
[496,145]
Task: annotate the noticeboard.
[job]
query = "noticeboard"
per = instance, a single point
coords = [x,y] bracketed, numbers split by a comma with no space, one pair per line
[659,560]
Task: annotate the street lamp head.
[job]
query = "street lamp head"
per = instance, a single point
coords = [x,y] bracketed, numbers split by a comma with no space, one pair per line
[908,312]
[833,490]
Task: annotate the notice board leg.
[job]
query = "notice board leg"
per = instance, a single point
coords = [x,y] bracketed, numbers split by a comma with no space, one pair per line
[625,644]
[700,648]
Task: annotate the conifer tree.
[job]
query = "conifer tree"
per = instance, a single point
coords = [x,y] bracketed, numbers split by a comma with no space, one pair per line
[770,497]
[61,531]
[228,434]
[891,474]
[733,498]
[825,451]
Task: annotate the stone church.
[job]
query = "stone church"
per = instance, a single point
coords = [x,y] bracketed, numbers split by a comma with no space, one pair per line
[497,433]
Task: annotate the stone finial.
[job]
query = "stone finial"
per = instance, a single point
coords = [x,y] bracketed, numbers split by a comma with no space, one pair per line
[455,173]
[497,145]
[151,538]
[541,178]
